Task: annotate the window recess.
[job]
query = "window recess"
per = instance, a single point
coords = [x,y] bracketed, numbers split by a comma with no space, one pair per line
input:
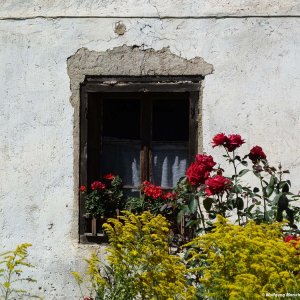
[139,128]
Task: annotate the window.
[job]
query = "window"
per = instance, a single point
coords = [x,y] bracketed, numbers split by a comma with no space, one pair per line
[139,128]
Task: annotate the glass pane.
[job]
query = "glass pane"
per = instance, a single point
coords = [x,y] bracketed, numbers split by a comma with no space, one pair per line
[169,163]
[123,158]
[170,119]
[121,118]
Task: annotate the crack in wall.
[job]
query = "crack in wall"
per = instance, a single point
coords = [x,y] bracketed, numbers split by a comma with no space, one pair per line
[217,17]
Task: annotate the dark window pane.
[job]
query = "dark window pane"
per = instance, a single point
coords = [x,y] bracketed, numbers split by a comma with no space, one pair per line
[121,118]
[170,119]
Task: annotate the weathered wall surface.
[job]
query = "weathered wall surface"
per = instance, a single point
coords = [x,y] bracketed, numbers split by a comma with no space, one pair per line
[150,8]
[254,90]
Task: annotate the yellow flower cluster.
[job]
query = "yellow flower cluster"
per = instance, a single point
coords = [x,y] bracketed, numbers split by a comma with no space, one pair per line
[140,265]
[139,248]
[235,262]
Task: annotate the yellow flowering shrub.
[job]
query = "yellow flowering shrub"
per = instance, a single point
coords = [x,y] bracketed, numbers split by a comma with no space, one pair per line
[235,262]
[140,265]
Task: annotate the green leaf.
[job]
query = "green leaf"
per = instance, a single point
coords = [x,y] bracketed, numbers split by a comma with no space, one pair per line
[184,210]
[256,190]
[244,163]
[276,199]
[207,203]
[193,205]
[243,172]
[238,189]
[248,209]
[285,187]
[212,216]
[271,186]
[191,223]
[239,203]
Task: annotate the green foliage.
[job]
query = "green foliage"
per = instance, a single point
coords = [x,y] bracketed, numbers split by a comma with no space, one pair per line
[235,262]
[12,264]
[135,204]
[140,266]
[105,202]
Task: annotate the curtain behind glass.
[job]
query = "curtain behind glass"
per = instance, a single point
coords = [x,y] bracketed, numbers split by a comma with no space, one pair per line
[169,163]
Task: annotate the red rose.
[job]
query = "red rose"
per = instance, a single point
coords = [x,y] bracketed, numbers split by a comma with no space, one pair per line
[206,160]
[82,188]
[109,176]
[216,185]
[234,141]
[257,153]
[196,174]
[97,185]
[88,298]
[219,140]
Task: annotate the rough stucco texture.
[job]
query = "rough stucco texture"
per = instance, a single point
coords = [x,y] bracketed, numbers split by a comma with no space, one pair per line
[254,91]
[150,8]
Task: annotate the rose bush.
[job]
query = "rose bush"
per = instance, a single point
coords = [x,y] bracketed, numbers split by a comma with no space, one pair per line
[211,188]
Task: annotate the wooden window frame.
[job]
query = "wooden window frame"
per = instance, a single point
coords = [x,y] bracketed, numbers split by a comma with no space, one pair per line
[143,85]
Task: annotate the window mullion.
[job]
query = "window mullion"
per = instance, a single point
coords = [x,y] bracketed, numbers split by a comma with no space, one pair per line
[146,111]
[193,124]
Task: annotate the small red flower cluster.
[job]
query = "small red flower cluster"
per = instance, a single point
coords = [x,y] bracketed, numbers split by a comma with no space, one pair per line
[257,153]
[97,185]
[200,170]
[109,176]
[292,239]
[156,192]
[82,188]
[151,190]
[230,142]
[217,184]
[170,196]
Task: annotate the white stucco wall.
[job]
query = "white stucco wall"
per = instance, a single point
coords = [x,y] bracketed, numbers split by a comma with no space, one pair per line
[254,91]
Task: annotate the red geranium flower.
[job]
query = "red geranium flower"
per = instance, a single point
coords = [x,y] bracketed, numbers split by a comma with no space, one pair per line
[170,196]
[216,185]
[82,188]
[257,153]
[97,185]
[234,141]
[152,191]
[109,176]
[219,140]
[197,174]
[206,160]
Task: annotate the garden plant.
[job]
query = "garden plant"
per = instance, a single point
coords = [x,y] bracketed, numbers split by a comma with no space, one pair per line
[230,233]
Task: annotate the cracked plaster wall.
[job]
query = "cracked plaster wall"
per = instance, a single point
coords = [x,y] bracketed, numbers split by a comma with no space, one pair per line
[147,8]
[254,91]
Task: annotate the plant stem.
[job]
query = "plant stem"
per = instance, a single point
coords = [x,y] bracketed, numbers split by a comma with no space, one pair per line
[235,182]
[264,199]
[201,214]
[8,290]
